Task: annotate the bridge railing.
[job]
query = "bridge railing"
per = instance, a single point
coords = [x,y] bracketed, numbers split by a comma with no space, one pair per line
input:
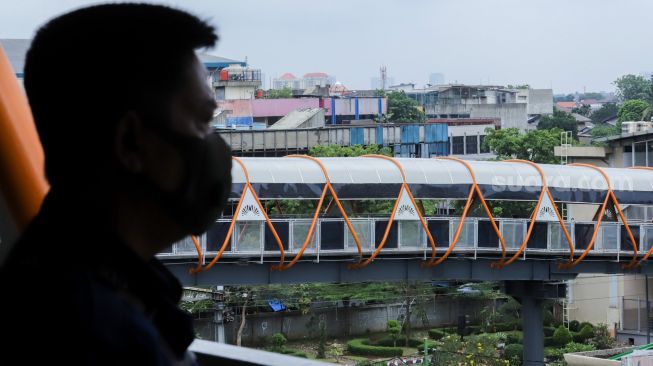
[331,237]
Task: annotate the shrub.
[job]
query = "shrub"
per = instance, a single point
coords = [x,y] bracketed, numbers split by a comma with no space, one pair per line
[514,338]
[562,336]
[389,341]
[294,352]
[602,338]
[548,331]
[358,347]
[436,333]
[514,351]
[549,342]
[473,329]
[583,324]
[548,317]
[574,326]
[585,333]
[277,342]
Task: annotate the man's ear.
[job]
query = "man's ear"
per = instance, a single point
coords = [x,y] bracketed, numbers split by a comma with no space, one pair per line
[128,143]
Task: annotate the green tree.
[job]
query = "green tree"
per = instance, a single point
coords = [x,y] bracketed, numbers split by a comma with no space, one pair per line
[536,146]
[280,93]
[403,109]
[592,95]
[606,111]
[560,119]
[345,151]
[634,110]
[633,87]
[604,130]
[583,110]
[394,328]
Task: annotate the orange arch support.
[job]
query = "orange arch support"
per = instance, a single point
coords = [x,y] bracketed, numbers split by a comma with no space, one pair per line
[545,191]
[473,191]
[23,182]
[248,186]
[329,187]
[609,196]
[650,250]
[404,187]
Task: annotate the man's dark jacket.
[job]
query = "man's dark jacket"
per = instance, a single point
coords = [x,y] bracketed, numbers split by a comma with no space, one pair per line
[73,293]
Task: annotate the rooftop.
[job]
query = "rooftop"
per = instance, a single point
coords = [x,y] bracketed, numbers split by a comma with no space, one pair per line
[316,75]
[288,76]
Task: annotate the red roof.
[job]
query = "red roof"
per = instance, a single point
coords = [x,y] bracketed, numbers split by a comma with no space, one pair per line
[566,105]
[288,76]
[316,75]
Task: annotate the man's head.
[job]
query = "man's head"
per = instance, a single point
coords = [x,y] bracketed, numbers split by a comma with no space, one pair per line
[121,102]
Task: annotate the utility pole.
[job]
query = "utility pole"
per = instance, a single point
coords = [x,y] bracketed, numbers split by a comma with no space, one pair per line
[648,312]
[218,314]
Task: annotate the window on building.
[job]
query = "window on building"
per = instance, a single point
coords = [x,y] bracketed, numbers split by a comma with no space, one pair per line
[484,149]
[628,156]
[457,145]
[640,154]
[470,142]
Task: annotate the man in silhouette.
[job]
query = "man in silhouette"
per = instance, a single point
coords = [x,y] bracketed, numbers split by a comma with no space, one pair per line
[122,107]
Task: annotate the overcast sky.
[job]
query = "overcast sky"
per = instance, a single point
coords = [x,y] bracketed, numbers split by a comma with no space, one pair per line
[565,44]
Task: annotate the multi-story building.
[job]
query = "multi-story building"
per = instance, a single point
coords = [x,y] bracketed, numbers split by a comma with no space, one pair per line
[616,300]
[308,81]
[519,108]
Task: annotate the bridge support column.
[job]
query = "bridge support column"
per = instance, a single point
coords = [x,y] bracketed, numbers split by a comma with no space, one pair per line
[533,329]
[531,295]
[218,315]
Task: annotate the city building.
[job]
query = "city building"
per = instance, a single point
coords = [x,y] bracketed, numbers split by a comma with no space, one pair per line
[518,108]
[308,81]
[436,78]
[616,300]
[236,82]
[377,83]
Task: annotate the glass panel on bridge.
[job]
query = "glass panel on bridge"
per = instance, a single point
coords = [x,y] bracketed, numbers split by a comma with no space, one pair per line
[583,235]
[185,246]
[332,235]
[513,233]
[283,231]
[248,236]
[363,230]
[215,236]
[379,230]
[411,234]
[539,236]
[626,244]
[440,231]
[299,234]
[647,241]
[467,233]
[487,238]
[558,238]
[608,236]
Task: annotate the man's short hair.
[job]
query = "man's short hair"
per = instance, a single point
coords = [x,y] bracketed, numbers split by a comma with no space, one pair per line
[87,68]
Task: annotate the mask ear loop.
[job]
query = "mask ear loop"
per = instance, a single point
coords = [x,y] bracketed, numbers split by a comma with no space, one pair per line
[248,186]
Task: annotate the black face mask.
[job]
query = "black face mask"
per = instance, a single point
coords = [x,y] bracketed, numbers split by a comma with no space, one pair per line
[204,190]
